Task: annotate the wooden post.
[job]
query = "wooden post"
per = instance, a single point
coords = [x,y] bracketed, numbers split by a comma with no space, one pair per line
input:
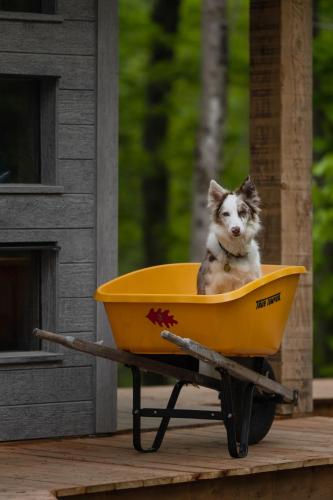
[107,199]
[281,158]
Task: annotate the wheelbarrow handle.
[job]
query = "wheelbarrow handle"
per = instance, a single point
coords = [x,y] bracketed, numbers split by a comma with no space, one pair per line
[235,369]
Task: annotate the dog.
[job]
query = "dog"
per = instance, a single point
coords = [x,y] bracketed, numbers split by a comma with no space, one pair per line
[232,258]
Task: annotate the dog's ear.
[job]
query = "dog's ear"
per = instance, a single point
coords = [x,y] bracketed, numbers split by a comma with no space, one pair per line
[249,192]
[216,193]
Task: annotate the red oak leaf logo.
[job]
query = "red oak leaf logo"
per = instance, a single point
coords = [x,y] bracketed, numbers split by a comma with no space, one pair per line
[161,317]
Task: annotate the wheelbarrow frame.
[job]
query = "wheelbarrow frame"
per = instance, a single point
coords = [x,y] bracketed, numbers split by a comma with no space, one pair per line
[231,373]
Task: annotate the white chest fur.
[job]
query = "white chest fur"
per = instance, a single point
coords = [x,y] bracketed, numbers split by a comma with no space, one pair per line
[229,273]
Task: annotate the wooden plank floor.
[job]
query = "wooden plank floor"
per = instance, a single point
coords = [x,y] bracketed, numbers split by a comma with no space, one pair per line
[323,397]
[202,399]
[38,470]
[191,397]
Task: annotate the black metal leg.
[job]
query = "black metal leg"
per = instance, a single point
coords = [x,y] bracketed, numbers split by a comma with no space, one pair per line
[137,413]
[229,418]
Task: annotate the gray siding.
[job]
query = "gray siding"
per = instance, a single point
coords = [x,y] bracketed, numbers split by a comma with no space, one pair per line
[58,399]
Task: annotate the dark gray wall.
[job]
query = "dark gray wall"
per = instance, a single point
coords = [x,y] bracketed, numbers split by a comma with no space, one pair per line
[60,398]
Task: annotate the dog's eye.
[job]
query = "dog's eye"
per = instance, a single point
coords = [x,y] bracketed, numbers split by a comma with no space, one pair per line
[242,213]
[225,214]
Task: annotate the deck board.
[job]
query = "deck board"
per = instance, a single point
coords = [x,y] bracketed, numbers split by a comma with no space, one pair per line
[33,469]
[202,399]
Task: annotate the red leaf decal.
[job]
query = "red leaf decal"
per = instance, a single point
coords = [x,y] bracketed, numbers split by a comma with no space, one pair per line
[162,318]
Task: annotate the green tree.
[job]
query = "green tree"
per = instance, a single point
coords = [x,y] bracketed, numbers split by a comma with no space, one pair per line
[323,188]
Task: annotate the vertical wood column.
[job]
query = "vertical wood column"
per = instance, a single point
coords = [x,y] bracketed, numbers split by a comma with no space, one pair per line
[107,200]
[281,159]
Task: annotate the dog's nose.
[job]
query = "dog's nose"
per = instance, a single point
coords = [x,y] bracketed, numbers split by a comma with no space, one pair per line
[235,230]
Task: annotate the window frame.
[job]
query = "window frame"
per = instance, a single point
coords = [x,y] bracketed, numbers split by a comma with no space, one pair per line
[46,302]
[47,137]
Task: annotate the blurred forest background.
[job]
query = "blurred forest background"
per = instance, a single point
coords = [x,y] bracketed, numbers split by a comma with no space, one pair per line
[159,131]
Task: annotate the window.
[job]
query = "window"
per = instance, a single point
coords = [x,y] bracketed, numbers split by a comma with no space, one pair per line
[19,131]
[26,108]
[20,299]
[35,6]
[27,290]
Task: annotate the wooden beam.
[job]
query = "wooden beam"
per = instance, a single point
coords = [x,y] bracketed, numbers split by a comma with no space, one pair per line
[281,159]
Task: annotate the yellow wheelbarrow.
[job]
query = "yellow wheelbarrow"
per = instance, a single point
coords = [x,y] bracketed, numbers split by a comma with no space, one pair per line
[233,332]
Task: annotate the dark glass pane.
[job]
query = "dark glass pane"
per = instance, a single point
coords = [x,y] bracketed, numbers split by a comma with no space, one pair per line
[21,5]
[19,299]
[19,130]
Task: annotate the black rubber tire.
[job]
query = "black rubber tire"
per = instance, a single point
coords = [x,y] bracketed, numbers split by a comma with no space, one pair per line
[263,409]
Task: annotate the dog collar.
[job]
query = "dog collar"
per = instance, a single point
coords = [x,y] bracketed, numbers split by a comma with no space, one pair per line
[229,254]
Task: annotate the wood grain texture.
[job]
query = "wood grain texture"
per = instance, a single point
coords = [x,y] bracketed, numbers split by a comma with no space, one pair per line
[77,176]
[311,483]
[235,369]
[77,9]
[70,357]
[77,245]
[76,315]
[65,38]
[77,142]
[127,358]
[74,72]
[48,127]
[107,196]
[77,280]
[54,419]
[281,158]
[48,299]
[76,107]
[51,400]
[45,385]
[10,358]
[46,211]
[31,17]
[30,189]
[300,448]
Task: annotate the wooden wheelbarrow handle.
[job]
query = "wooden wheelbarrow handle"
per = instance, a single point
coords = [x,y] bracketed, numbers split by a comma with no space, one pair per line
[235,369]
[129,359]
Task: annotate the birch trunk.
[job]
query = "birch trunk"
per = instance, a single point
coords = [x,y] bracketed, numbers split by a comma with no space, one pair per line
[208,161]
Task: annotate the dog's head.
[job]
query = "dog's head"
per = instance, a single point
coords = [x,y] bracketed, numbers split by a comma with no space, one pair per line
[235,214]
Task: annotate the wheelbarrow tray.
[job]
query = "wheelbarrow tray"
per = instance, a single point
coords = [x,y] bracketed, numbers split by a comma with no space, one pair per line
[249,321]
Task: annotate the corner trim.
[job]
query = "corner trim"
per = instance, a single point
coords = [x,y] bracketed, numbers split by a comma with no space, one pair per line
[107,199]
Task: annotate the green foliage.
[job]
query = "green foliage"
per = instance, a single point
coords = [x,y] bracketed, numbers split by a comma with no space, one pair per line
[183,122]
[323,188]
[323,265]
[177,150]
[136,32]
[236,162]
[182,106]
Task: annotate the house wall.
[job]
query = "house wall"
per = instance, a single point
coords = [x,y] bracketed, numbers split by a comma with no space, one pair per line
[51,399]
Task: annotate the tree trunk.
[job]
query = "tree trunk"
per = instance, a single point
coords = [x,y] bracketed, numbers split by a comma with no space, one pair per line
[208,161]
[165,16]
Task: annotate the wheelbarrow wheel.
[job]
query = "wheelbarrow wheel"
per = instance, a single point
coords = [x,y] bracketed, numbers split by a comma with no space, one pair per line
[263,408]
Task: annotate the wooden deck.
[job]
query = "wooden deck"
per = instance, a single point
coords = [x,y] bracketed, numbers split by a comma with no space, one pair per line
[64,468]
[193,461]
[202,399]
[323,397]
